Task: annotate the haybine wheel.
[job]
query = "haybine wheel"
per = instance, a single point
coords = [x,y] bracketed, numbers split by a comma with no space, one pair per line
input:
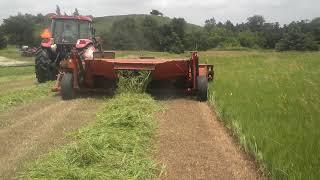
[202,83]
[67,91]
[45,71]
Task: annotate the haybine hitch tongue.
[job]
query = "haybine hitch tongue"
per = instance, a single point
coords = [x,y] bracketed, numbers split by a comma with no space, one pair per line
[77,74]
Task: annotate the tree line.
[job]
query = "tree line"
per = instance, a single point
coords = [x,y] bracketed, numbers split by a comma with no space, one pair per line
[173,37]
[152,34]
[22,29]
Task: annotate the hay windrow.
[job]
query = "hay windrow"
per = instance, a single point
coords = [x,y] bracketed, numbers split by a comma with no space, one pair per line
[116,146]
[133,81]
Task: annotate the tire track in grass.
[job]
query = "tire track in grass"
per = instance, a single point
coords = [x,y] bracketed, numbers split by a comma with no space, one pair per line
[15,83]
[192,144]
[24,95]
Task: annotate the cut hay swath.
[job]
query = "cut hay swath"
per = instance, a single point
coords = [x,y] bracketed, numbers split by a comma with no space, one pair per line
[116,146]
[133,81]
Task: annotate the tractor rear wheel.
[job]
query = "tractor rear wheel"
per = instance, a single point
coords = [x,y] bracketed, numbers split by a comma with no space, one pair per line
[202,83]
[67,90]
[43,67]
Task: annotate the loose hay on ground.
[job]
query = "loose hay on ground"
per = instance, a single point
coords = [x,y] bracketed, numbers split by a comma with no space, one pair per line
[116,146]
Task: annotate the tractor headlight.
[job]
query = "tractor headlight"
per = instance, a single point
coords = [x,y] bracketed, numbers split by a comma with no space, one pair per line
[53,47]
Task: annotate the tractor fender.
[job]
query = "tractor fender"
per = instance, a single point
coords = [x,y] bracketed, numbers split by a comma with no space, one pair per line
[82,43]
[88,52]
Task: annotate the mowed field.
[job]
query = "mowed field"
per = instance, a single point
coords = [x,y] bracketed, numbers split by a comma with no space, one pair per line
[269,100]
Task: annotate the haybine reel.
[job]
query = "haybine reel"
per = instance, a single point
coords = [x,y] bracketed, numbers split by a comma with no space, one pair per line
[71,54]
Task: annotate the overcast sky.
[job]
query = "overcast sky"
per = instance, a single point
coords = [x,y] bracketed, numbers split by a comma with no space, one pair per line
[194,11]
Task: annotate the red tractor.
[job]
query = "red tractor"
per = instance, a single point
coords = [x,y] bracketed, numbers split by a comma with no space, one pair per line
[72,55]
[66,33]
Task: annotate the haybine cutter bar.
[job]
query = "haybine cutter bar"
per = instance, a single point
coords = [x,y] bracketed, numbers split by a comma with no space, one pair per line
[104,64]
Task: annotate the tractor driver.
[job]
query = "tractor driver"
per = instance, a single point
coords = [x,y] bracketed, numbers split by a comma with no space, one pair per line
[68,34]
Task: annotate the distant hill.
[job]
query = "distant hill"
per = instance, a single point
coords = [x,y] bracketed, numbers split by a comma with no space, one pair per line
[104,24]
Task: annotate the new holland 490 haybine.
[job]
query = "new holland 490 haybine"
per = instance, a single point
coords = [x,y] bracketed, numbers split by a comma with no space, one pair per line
[71,54]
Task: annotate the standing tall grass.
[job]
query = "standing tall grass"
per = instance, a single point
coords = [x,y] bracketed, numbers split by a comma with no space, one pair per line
[272,102]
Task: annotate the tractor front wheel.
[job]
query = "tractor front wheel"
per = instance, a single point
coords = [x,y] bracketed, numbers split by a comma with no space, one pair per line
[67,90]
[202,83]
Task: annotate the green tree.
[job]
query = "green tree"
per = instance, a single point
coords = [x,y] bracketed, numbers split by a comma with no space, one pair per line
[178,26]
[126,35]
[156,12]
[295,39]
[197,40]
[151,33]
[272,33]
[315,29]
[255,23]
[210,24]
[229,26]
[3,40]
[248,39]
[20,29]
[106,39]
[170,40]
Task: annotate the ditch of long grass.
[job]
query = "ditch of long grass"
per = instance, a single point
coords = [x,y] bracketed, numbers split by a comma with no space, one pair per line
[116,146]
[271,102]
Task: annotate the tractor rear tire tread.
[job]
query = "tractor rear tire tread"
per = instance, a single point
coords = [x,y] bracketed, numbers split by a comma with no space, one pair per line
[43,69]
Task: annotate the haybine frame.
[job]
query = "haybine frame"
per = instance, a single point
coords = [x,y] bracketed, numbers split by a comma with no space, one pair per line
[76,74]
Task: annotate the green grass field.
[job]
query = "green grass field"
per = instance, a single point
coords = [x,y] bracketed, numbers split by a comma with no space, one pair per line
[24,95]
[16,71]
[13,97]
[9,75]
[272,102]
[12,52]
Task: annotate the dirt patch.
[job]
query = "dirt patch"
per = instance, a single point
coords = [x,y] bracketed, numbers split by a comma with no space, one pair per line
[38,128]
[192,144]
